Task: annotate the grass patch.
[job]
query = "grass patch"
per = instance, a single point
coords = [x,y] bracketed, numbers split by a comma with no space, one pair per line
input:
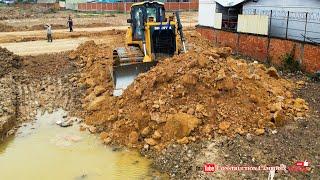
[290,64]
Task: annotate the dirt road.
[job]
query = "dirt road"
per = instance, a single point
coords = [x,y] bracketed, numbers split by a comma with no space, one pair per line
[43,47]
[42,32]
[22,36]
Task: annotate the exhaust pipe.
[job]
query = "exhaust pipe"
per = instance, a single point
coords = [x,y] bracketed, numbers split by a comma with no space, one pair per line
[144,48]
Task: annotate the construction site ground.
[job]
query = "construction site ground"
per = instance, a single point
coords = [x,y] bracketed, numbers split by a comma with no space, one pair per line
[62,74]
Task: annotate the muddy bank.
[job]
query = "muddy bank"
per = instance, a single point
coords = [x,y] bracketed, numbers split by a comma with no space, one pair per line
[82,154]
[43,82]
[9,65]
[46,82]
[8,104]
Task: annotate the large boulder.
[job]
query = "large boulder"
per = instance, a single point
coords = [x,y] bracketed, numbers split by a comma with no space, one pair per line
[180,125]
[96,103]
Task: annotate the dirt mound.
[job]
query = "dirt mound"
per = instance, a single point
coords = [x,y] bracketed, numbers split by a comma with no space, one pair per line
[94,61]
[195,95]
[8,103]
[46,64]
[24,11]
[8,61]
[8,99]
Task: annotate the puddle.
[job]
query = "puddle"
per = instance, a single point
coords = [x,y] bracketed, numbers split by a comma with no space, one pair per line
[43,150]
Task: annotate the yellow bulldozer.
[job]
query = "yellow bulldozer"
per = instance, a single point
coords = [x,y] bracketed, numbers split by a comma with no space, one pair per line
[150,37]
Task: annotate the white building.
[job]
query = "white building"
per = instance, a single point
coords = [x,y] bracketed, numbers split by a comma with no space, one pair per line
[292,19]
[209,9]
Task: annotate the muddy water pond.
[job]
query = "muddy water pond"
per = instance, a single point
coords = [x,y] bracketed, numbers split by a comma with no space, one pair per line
[43,150]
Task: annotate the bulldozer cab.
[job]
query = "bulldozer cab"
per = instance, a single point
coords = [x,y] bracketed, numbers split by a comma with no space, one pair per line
[150,38]
[143,12]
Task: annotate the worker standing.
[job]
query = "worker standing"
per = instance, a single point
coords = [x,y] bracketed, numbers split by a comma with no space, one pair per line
[70,24]
[49,32]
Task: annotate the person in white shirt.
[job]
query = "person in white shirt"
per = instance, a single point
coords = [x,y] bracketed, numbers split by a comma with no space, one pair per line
[49,32]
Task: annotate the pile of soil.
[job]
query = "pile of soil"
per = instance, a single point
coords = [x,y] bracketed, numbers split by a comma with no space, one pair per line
[94,60]
[190,97]
[8,61]
[29,11]
[46,65]
[94,63]
[8,103]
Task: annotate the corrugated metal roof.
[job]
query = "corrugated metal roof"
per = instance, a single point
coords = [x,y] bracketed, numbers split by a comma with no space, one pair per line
[229,3]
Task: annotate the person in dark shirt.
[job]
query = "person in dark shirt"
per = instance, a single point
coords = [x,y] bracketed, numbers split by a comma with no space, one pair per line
[70,23]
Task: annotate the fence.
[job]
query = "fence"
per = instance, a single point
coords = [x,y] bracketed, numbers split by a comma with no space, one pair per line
[301,26]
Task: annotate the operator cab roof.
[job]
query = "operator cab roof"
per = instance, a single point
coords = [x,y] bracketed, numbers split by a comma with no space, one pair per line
[147,2]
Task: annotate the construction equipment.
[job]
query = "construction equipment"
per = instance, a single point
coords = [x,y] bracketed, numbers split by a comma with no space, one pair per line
[150,37]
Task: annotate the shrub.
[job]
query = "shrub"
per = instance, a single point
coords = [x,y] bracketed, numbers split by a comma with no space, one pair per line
[290,64]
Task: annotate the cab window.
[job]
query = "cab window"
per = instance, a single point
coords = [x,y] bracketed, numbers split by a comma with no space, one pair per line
[137,23]
[152,12]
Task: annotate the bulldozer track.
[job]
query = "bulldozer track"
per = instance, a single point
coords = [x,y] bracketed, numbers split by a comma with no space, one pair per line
[32,96]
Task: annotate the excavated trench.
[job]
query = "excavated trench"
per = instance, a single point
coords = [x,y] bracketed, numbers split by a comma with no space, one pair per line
[34,96]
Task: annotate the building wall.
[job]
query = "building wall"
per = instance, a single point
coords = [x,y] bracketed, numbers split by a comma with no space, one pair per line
[125,7]
[207,11]
[265,49]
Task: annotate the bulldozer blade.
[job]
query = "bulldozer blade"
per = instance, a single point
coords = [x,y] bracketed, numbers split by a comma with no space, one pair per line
[124,75]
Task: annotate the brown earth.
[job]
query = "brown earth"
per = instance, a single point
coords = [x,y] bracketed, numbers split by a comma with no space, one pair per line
[34,17]
[11,12]
[296,141]
[43,82]
[46,82]
[57,35]
[30,84]
[8,61]
[8,104]
[187,98]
